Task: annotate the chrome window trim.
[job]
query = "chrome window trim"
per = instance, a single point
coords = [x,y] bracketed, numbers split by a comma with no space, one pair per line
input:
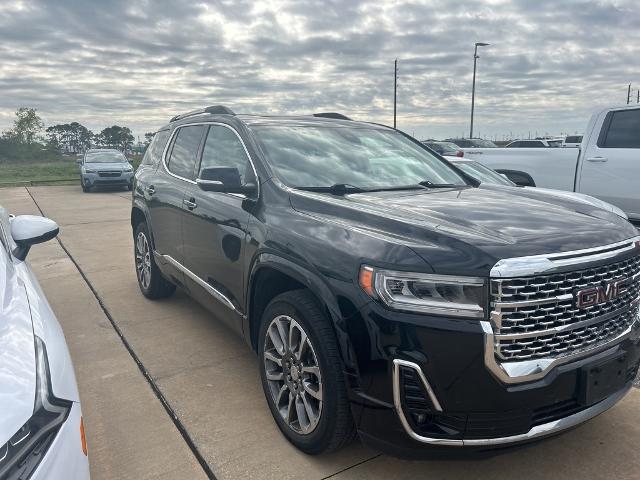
[540,264]
[211,290]
[539,431]
[194,182]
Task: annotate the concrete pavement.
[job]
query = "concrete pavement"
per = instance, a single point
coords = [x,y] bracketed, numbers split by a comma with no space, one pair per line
[209,380]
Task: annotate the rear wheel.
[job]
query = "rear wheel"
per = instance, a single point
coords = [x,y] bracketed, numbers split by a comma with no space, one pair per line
[302,374]
[151,282]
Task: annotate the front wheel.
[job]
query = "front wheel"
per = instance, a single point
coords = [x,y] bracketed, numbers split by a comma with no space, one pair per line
[150,280]
[302,374]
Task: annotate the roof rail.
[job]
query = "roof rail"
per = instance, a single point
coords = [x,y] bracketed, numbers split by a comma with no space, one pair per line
[214,109]
[337,116]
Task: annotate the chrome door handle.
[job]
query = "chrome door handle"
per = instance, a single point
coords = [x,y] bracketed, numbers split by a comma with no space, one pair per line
[151,189]
[597,159]
[189,204]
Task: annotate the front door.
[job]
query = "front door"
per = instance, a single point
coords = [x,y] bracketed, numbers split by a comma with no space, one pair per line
[215,228]
[611,166]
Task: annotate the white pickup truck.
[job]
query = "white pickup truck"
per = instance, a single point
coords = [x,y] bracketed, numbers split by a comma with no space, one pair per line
[606,166]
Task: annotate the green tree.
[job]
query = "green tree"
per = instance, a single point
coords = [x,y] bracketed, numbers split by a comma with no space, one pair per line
[69,137]
[115,137]
[147,138]
[26,127]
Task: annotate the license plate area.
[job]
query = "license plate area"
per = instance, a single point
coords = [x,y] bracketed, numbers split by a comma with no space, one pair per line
[599,380]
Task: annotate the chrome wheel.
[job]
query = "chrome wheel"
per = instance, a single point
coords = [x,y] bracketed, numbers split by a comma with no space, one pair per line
[143,260]
[293,374]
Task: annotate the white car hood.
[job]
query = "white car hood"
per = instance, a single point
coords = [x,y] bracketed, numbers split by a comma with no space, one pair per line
[17,354]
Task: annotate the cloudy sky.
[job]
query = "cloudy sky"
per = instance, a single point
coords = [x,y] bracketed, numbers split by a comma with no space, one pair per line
[138,62]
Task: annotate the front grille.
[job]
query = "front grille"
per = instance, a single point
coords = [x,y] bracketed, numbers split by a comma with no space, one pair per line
[109,174]
[537,317]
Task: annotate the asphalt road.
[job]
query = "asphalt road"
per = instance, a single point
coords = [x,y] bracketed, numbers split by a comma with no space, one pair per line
[169,392]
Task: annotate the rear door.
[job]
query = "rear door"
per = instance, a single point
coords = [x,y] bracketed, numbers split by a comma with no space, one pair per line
[611,164]
[215,228]
[165,193]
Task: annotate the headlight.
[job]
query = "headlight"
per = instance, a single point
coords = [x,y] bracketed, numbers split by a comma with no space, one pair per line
[89,170]
[446,295]
[128,169]
[24,450]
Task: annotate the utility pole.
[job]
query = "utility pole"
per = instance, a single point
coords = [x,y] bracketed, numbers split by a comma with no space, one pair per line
[638,96]
[473,88]
[395,90]
[629,95]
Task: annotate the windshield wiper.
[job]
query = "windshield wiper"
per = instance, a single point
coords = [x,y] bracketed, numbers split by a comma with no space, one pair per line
[335,189]
[429,184]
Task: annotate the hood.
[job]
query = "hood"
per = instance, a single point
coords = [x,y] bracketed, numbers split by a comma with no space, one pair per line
[17,355]
[115,166]
[459,229]
[596,202]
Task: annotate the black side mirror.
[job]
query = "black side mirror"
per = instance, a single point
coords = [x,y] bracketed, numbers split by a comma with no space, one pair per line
[225,180]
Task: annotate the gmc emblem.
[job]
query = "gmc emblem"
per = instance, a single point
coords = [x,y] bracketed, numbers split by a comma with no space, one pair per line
[588,297]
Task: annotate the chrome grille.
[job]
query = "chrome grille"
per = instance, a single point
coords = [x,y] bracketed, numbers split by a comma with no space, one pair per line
[536,317]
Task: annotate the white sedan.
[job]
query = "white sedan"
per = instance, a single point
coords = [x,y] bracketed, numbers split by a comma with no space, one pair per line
[41,428]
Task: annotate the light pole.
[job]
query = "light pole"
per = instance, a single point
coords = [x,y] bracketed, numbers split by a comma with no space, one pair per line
[473,89]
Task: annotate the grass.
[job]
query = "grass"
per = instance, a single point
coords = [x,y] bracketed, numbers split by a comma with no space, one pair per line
[43,173]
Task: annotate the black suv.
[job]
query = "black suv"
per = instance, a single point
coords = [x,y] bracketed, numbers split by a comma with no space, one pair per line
[384,291]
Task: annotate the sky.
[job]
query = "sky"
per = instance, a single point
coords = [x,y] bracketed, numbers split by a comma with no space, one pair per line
[138,62]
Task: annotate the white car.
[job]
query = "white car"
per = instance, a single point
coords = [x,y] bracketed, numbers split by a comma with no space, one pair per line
[41,428]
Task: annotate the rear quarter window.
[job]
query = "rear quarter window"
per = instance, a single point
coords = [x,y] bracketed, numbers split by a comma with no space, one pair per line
[154,152]
[621,129]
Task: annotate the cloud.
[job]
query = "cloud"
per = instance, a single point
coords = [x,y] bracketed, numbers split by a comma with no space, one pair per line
[138,62]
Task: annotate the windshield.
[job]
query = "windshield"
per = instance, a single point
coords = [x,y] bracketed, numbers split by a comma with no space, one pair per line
[483,174]
[359,157]
[105,157]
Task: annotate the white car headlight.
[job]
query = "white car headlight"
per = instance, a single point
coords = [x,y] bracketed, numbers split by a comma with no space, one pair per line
[89,170]
[128,168]
[447,295]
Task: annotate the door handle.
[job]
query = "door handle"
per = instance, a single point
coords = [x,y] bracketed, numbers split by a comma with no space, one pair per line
[151,189]
[191,204]
[597,159]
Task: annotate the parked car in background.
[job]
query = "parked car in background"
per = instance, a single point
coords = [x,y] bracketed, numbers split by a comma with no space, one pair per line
[535,143]
[572,141]
[444,148]
[101,167]
[386,292]
[472,142]
[41,428]
[488,176]
[605,166]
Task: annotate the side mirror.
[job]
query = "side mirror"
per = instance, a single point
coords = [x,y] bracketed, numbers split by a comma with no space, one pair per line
[28,230]
[79,161]
[225,180]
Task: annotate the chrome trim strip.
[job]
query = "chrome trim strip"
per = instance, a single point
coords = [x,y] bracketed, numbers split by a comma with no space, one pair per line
[212,291]
[531,370]
[531,303]
[539,264]
[174,133]
[397,363]
[539,431]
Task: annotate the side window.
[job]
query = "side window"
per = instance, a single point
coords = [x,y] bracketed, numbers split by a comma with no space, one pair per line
[623,131]
[516,145]
[154,151]
[223,148]
[185,151]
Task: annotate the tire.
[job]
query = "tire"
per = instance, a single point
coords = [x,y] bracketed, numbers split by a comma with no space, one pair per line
[85,189]
[152,283]
[293,376]
[129,187]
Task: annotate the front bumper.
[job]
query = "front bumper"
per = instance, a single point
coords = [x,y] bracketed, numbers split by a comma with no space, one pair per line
[96,179]
[64,459]
[449,388]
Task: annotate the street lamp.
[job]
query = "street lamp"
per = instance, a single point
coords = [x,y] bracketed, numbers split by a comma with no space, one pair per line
[473,90]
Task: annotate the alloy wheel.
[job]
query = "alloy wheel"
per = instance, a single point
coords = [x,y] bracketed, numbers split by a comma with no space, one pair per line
[293,374]
[143,260]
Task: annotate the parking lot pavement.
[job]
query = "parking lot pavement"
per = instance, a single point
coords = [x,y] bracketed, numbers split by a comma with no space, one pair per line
[209,378]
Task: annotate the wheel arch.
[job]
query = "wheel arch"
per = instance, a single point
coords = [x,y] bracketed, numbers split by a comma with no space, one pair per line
[272,275]
[139,214]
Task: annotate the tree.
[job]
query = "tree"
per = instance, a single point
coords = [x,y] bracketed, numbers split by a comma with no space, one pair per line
[115,137]
[26,127]
[69,137]
[147,138]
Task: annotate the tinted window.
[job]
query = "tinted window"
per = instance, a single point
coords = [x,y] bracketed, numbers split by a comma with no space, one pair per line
[224,149]
[360,157]
[624,130]
[155,149]
[185,151]
[515,145]
[573,139]
[532,144]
